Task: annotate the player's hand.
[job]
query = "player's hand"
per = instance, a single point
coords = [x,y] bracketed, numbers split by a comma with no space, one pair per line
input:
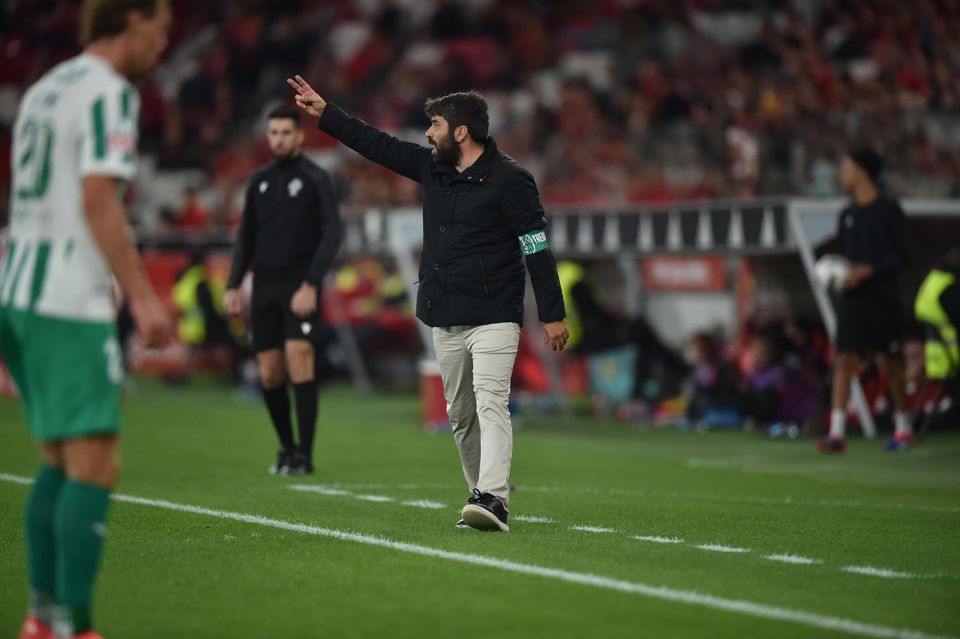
[154,327]
[306,98]
[859,273]
[556,334]
[304,302]
[232,302]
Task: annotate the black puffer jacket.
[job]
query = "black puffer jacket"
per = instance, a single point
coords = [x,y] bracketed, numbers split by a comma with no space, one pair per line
[475,224]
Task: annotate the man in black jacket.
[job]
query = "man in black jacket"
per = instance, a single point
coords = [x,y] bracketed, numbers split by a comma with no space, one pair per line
[289,236]
[873,235]
[481,216]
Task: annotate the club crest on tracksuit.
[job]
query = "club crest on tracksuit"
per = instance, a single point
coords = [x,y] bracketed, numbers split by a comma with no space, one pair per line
[294,187]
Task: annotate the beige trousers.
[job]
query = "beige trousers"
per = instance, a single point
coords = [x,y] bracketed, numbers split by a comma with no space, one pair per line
[476,363]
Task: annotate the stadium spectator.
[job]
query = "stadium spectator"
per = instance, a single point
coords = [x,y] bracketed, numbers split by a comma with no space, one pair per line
[780,391]
[717,393]
[193,216]
[722,109]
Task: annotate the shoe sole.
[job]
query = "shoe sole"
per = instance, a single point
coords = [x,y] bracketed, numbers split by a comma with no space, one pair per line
[480,518]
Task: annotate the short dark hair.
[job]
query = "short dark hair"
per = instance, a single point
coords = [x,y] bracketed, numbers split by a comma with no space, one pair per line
[868,160]
[285,112]
[467,109]
[106,18]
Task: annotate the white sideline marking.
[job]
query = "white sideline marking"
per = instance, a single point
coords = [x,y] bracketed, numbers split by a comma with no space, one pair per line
[592,529]
[425,503]
[532,519]
[879,572]
[323,490]
[377,499]
[748,608]
[658,540]
[721,548]
[785,501]
[793,559]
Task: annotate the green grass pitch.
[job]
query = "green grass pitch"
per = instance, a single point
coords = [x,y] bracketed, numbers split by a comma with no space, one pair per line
[760,507]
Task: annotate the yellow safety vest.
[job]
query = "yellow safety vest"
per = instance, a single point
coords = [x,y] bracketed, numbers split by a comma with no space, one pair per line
[941,352]
[570,274]
[191,328]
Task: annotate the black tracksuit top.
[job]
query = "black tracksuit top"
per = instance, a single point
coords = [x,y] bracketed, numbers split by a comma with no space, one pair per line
[471,265]
[877,234]
[291,228]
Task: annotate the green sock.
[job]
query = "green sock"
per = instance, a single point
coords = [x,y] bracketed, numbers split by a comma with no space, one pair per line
[41,544]
[80,525]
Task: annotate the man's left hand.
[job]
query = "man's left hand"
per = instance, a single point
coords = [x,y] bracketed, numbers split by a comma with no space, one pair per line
[556,334]
[304,302]
[859,273]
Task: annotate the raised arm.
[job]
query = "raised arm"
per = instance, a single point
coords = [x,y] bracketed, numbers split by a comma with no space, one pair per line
[406,158]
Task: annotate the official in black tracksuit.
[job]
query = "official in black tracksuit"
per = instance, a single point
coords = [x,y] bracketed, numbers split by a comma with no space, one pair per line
[873,235]
[289,236]
[482,217]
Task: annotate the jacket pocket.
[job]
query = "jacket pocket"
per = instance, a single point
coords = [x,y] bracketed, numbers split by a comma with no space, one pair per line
[483,278]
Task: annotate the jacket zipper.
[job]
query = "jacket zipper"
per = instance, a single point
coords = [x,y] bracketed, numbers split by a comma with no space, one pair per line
[483,278]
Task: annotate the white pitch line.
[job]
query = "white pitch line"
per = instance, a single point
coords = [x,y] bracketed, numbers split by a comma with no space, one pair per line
[323,490]
[663,593]
[377,499]
[722,548]
[532,519]
[874,571]
[425,503]
[794,559]
[657,539]
[592,529]
[584,490]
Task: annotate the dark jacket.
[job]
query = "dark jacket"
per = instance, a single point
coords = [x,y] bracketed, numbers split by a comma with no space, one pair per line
[291,226]
[471,265]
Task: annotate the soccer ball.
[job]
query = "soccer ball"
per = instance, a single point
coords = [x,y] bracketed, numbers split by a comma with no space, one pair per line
[830,271]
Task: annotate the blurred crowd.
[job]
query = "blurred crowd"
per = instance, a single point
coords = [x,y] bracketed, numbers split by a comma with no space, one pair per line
[608,102]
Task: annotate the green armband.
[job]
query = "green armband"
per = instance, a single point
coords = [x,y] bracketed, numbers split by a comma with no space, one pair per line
[533,242]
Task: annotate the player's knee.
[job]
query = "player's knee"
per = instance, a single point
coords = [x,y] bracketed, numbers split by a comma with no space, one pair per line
[272,377]
[300,360]
[52,454]
[272,372]
[97,466]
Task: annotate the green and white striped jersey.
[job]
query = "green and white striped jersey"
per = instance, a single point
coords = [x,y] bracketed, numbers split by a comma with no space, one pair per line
[79,119]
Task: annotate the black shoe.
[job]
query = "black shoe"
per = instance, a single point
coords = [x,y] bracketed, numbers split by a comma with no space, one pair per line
[301,465]
[284,460]
[485,512]
[462,524]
